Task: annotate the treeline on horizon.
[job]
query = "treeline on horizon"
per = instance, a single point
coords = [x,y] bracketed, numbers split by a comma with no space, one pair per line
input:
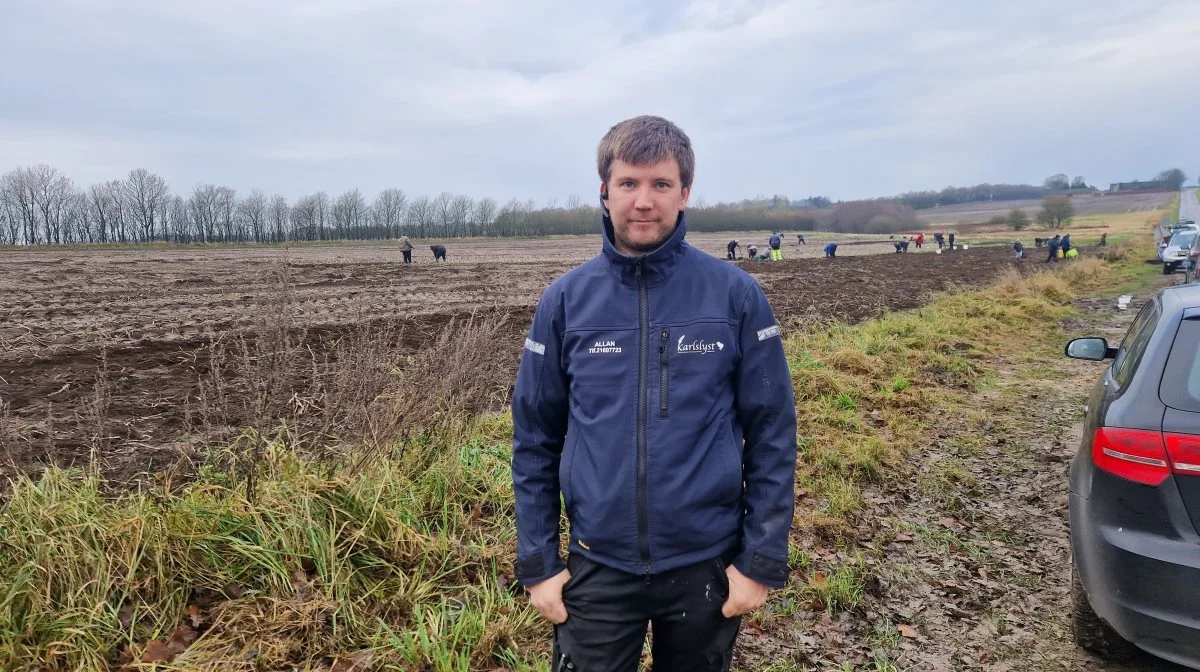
[39,205]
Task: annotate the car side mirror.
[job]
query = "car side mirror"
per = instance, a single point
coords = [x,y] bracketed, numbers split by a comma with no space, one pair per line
[1092,348]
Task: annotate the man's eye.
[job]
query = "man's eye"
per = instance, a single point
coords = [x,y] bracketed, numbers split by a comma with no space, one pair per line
[627,184]
[664,185]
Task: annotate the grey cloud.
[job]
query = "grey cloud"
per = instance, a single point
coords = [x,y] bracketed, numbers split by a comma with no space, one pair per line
[505,99]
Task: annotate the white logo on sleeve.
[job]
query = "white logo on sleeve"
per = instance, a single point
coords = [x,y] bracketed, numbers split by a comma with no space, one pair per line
[698,346]
[605,347]
[764,334]
[535,347]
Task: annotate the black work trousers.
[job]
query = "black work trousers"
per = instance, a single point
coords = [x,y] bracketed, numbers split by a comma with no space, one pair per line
[608,611]
[407,256]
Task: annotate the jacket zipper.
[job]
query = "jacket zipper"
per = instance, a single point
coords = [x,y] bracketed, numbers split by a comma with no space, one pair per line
[643,365]
[663,371]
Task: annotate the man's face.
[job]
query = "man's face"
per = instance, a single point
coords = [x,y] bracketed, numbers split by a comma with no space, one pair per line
[644,202]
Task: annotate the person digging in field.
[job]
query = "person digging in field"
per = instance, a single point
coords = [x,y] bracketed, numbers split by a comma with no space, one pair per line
[752,250]
[937,238]
[1065,244]
[1052,246]
[1103,240]
[406,248]
[800,239]
[950,240]
[439,252]
[1018,249]
[830,250]
[919,240]
[731,250]
[641,368]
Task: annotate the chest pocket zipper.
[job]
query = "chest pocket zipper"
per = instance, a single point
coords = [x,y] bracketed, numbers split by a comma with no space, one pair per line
[664,378]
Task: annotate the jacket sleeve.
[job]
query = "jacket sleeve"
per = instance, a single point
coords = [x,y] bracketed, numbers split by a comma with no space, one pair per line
[766,411]
[539,411]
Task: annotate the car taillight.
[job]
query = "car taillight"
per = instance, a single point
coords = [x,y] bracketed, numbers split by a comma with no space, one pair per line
[1135,455]
[1184,453]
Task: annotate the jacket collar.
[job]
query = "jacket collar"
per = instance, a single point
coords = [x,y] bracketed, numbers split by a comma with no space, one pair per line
[656,265]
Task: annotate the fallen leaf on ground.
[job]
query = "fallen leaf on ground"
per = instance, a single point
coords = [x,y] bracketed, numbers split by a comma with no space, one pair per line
[157,652]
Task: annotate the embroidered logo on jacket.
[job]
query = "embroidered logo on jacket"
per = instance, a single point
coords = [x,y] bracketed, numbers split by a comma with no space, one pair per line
[698,346]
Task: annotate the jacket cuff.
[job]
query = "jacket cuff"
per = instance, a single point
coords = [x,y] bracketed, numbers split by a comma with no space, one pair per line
[764,570]
[538,567]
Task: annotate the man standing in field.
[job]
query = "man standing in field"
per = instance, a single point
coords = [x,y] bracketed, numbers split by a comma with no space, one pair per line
[776,243]
[406,248]
[654,394]
[731,250]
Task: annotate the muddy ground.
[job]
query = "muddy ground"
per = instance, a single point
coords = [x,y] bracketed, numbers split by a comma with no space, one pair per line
[113,349]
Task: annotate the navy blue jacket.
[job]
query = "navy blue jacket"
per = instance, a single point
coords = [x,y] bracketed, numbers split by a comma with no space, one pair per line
[653,391]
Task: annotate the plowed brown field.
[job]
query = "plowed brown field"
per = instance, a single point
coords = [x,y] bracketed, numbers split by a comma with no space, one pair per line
[109,350]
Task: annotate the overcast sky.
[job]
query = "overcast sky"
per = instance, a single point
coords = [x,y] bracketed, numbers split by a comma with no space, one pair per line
[844,98]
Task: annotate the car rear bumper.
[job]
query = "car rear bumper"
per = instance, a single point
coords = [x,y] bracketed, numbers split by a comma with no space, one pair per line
[1147,587]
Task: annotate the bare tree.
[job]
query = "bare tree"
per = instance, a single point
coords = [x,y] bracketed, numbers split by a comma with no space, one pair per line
[182,229]
[485,213]
[349,214]
[421,215]
[205,212]
[252,211]
[461,209]
[278,214]
[444,212]
[76,225]
[146,195]
[304,218]
[37,198]
[53,191]
[8,225]
[20,205]
[321,210]
[103,209]
[388,211]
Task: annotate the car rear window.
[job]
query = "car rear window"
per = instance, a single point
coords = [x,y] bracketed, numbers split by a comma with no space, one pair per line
[1180,386]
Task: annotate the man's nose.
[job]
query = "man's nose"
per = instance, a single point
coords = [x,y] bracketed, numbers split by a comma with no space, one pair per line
[643,201]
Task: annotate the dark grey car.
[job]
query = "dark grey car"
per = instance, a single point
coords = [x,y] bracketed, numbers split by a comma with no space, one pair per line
[1135,488]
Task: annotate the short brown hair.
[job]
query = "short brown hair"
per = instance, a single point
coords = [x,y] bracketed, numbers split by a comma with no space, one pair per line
[644,140]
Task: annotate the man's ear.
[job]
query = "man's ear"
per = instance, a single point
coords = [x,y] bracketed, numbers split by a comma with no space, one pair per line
[603,191]
[683,198]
